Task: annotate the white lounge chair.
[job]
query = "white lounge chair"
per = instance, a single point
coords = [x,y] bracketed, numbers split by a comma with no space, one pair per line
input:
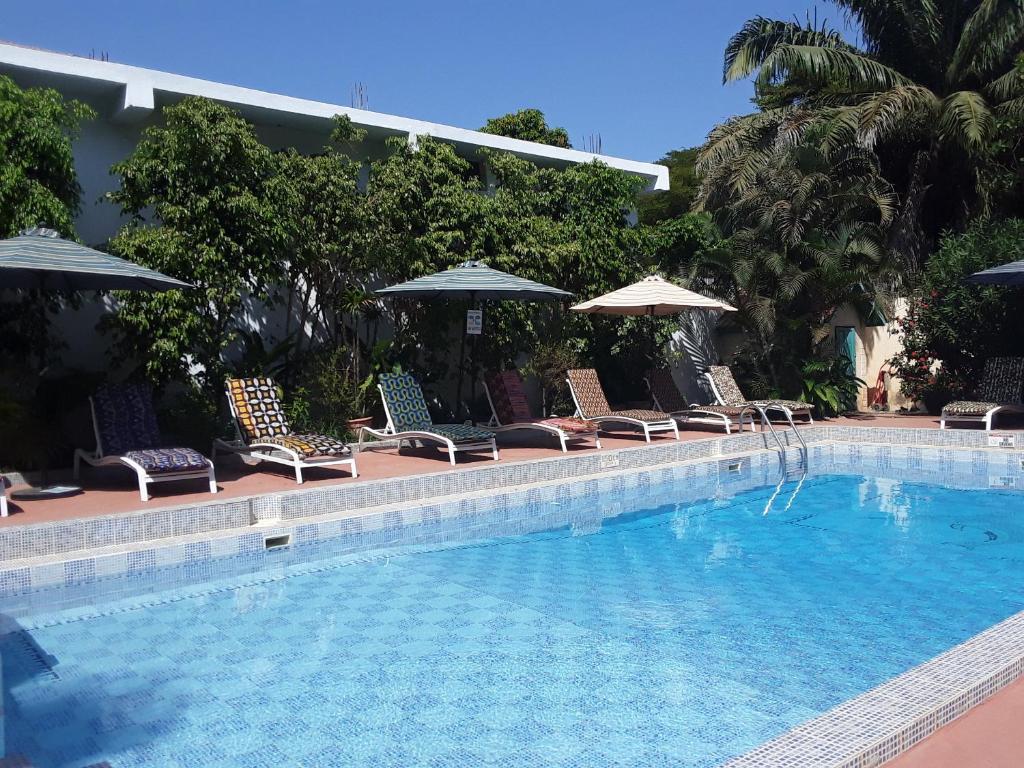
[665,396]
[727,392]
[510,411]
[127,435]
[262,432]
[409,420]
[1002,382]
[591,404]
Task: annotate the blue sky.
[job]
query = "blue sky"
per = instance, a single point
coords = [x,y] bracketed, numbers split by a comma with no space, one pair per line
[646,76]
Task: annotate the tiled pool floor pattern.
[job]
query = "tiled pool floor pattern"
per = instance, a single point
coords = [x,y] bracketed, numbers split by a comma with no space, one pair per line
[676,636]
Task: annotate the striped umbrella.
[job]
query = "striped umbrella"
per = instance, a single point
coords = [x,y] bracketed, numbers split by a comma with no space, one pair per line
[651,296]
[475,280]
[1004,274]
[39,258]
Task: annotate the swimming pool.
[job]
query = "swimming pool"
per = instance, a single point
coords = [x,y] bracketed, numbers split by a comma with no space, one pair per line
[629,629]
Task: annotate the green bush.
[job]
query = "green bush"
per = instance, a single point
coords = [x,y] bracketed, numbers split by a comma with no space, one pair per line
[959,323]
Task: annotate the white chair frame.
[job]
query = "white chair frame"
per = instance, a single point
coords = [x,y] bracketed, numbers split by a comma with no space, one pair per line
[648,427]
[564,438]
[278,454]
[97,458]
[986,418]
[390,433]
[697,416]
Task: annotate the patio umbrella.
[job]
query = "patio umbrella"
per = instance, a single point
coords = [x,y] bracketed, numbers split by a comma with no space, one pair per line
[473,281]
[651,296]
[1004,274]
[39,258]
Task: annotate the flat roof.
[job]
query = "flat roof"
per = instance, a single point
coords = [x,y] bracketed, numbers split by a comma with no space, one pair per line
[138,91]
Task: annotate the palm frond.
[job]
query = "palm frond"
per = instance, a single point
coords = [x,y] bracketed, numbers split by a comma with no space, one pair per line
[889,112]
[839,68]
[1012,108]
[749,47]
[992,33]
[1007,86]
[966,119]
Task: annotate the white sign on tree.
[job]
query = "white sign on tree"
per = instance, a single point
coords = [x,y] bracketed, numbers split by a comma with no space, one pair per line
[474,322]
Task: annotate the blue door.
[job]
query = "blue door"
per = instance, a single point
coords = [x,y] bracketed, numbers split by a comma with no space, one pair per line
[846,345]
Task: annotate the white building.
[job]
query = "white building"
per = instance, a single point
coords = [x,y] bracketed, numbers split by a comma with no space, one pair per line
[129,99]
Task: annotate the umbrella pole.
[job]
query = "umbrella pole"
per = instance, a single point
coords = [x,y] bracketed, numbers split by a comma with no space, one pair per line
[462,361]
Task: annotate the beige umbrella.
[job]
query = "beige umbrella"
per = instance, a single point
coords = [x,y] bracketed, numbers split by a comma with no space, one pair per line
[651,296]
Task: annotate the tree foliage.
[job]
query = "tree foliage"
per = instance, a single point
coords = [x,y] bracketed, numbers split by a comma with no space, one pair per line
[528,125]
[925,92]
[958,323]
[200,194]
[679,198]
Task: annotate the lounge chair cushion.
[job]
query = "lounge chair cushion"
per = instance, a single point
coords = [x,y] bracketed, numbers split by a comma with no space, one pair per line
[309,446]
[589,393]
[640,414]
[969,408]
[158,461]
[125,418]
[1002,381]
[725,410]
[568,424]
[793,405]
[260,414]
[726,385]
[405,402]
[509,397]
[459,433]
[665,391]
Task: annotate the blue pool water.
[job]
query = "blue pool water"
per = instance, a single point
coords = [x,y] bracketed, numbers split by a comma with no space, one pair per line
[677,635]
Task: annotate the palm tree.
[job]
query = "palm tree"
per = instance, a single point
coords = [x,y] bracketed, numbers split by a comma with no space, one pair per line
[805,235]
[924,90]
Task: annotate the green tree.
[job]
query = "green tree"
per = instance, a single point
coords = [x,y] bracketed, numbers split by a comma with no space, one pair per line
[923,91]
[805,236]
[38,187]
[199,194]
[962,324]
[38,184]
[679,198]
[528,125]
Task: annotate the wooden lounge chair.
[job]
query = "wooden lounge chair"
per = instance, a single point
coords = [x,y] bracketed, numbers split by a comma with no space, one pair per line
[665,396]
[409,420]
[127,435]
[592,405]
[510,411]
[727,393]
[262,431]
[1001,387]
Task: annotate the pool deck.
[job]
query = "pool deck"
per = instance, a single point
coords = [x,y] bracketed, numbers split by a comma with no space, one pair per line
[986,736]
[113,490]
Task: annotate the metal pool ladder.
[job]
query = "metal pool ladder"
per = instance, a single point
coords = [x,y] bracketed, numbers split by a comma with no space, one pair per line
[766,422]
[783,459]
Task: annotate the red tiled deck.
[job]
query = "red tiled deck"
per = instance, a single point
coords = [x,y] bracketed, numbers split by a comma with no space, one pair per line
[112,490]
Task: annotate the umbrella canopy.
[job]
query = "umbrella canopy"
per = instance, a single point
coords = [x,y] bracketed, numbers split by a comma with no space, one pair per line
[1005,274]
[39,258]
[474,280]
[651,296]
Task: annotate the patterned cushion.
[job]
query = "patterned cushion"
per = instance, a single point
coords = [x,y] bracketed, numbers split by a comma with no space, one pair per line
[569,424]
[160,460]
[1002,380]
[728,390]
[258,408]
[793,405]
[125,418]
[665,391]
[589,394]
[508,397]
[969,408]
[310,445]
[725,410]
[641,414]
[405,402]
[460,433]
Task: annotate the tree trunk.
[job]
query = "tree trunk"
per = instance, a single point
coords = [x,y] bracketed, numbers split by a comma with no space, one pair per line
[906,237]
